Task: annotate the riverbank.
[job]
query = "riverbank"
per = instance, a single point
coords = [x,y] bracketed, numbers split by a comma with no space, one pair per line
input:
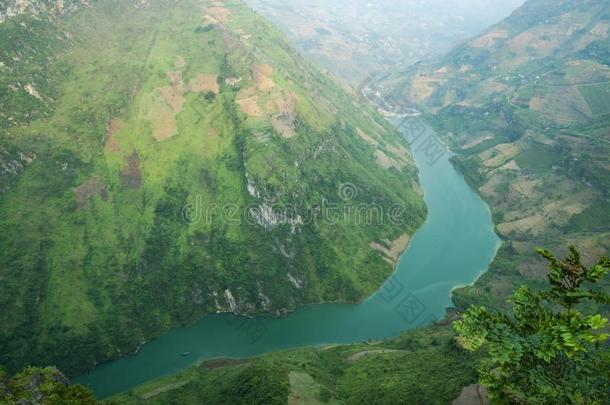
[382,372]
[453,247]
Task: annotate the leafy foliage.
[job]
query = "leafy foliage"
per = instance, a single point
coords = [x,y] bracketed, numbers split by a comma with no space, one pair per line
[45,386]
[259,385]
[545,350]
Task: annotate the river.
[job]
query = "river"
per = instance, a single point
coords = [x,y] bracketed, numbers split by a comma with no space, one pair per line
[453,247]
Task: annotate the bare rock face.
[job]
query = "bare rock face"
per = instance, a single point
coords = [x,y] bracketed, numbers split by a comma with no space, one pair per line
[38,8]
[11,165]
[36,385]
[472,395]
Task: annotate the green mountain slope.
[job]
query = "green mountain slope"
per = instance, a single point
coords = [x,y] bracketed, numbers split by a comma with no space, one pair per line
[525,105]
[163,160]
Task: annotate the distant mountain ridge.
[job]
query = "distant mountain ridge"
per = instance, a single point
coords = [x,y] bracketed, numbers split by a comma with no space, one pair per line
[356,38]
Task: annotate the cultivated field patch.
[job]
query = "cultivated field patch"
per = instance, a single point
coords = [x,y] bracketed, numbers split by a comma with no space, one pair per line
[167,101]
[131,175]
[499,155]
[219,13]
[597,97]
[283,120]
[601,30]
[391,250]
[422,87]
[489,40]
[85,192]
[248,104]
[204,83]
[471,143]
[366,138]
[262,77]
[174,95]
[385,161]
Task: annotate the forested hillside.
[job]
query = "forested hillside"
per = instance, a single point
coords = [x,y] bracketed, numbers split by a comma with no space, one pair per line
[164,160]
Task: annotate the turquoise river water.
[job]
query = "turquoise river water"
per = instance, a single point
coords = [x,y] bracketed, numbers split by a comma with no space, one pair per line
[453,247]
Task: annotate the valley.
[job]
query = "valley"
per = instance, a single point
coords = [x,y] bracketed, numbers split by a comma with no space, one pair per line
[193,212]
[536,185]
[458,226]
[524,106]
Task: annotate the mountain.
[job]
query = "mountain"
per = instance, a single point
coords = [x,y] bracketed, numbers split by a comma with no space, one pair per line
[354,38]
[164,160]
[525,105]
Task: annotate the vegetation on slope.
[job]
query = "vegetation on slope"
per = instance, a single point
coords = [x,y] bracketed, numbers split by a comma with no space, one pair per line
[163,160]
[546,350]
[524,105]
[423,366]
[45,386]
